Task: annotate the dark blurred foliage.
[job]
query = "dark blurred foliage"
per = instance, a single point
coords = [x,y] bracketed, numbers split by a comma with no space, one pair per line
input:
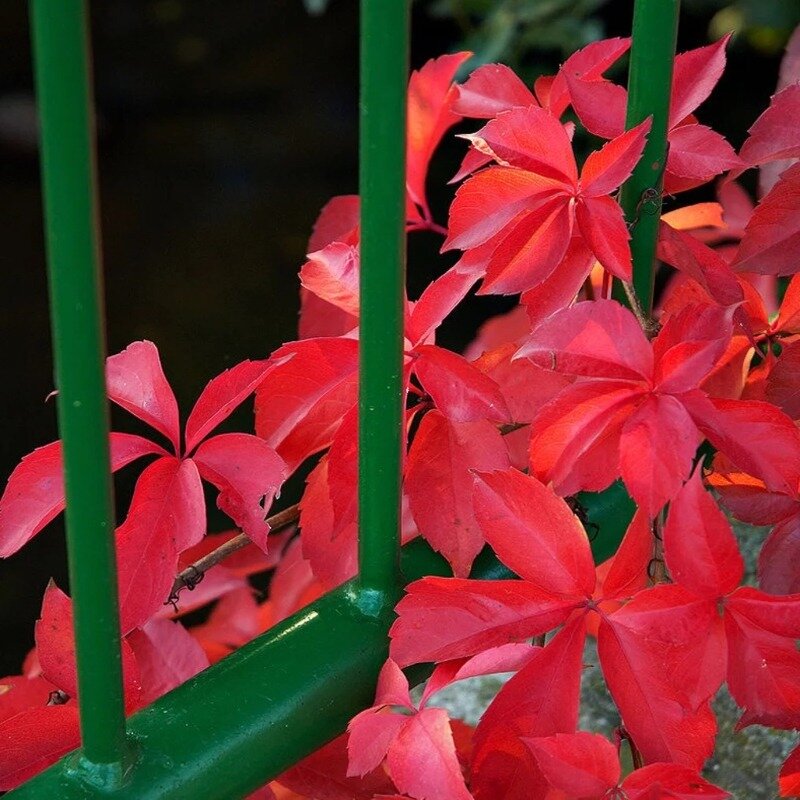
[224,127]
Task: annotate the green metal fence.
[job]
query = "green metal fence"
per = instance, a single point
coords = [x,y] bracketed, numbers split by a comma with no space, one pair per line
[243,721]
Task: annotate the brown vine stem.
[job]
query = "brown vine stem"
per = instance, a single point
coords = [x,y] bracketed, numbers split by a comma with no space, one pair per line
[649,325]
[189,577]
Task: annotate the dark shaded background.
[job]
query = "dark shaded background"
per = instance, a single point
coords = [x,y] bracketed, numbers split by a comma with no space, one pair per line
[224,128]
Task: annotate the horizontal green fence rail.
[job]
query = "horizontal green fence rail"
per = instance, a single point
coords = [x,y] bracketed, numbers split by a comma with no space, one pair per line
[244,720]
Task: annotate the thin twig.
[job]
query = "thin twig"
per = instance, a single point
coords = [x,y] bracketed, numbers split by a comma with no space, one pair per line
[649,325]
[192,575]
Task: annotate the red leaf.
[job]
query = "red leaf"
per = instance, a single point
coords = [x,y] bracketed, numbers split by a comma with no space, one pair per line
[684,252]
[763,666]
[689,345]
[167,512]
[603,228]
[440,619]
[332,275]
[657,447]
[599,105]
[597,339]
[222,395]
[776,133]
[460,391]
[136,381]
[534,533]
[580,764]
[531,139]
[560,289]
[490,90]
[486,203]
[699,546]
[532,249]
[55,646]
[771,242]
[628,571]
[19,693]
[437,301]
[392,688]
[589,62]
[696,155]
[234,621]
[789,779]
[422,759]
[329,539]
[322,775]
[540,700]
[337,222]
[778,561]
[778,614]
[748,498]
[695,75]
[771,449]
[575,440]
[248,474]
[300,403]
[34,494]
[783,381]
[439,483]
[167,655]
[35,739]
[504,658]
[663,657]
[431,95]
[370,735]
[607,168]
[670,782]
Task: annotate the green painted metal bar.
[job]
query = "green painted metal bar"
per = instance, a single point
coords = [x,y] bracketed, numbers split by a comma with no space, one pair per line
[655,31]
[243,721]
[61,52]
[384,74]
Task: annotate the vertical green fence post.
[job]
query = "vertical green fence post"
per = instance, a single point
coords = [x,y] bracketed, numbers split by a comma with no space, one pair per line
[61,53]
[384,74]
[655,31]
